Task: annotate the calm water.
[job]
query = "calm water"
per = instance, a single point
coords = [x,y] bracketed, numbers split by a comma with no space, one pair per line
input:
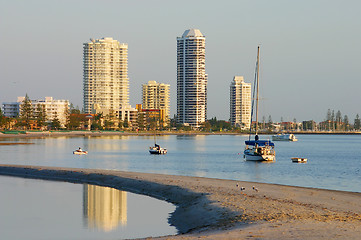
[37,209]
[334,161]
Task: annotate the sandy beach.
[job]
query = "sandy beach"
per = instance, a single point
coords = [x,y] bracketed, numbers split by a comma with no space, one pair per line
[219,209]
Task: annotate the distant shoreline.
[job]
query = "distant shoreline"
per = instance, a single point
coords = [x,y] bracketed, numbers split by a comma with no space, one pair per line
[218,209]
[44,134]
[14,143]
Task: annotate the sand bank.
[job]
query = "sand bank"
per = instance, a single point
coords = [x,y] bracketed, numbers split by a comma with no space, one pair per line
[219,209]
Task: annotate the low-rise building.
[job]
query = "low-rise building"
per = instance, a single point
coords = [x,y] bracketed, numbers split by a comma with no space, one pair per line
[53,109]
[11,109]
[146,116]
[128,115]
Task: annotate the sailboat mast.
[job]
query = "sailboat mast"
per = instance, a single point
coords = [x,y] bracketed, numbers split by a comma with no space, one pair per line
[257,93]
[155,135]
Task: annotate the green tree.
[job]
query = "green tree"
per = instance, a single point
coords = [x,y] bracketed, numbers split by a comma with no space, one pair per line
[71,106]
[55,123]
[219,125]
[109,121]
[74,111]
[74,121]
[125,123]
[173,122]
[97,122]
[26,112]
[153,123]
[263,122]
[140,121]
[108,124]
[207,126]
[270,123]
[329,115]
[333,120]
[338,120]
[346,123]
[40,115]
[357,122]
[329,119]
[2,120]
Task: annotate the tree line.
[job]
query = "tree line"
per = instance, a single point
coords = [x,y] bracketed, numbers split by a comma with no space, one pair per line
[31,116]
[337,122]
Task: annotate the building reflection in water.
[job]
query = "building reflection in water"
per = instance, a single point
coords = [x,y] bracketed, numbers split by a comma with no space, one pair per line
[104,208]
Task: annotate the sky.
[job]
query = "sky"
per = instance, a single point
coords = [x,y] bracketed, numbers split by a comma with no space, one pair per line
[310,49]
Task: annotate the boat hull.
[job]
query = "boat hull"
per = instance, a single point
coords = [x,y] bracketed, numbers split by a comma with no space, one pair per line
[157,151]
[80,153]
[250,157]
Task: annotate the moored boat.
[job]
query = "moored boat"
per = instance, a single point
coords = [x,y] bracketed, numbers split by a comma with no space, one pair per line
[157,150]
[258,150]
[285,137]
[297,159]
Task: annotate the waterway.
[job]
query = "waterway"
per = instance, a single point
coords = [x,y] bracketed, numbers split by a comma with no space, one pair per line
[334,161]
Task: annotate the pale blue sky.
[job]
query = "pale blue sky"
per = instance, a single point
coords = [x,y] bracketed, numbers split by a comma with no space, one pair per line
[310,49]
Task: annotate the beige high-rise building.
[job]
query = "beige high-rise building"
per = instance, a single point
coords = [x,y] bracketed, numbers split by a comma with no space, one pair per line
[156,96]
[105,82]
[240,103]
[191,78]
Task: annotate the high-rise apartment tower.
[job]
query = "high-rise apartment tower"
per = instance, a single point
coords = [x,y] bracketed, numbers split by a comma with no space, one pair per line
[105,76]
[191,78]
[240,103]
[156,96]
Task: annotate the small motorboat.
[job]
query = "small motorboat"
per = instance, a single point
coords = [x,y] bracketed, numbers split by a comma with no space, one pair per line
[284,137]
[299,160]
[80,151]
[157,150]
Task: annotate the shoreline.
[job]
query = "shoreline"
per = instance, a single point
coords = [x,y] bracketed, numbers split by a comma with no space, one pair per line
[210,208]
[161,133]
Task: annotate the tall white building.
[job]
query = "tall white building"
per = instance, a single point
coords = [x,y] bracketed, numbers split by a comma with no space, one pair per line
[105,76]
[191,78]
[156,96]
[53,108]
[240,103]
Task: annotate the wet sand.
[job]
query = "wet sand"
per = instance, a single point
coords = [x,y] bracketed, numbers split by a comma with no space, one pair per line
[219,209]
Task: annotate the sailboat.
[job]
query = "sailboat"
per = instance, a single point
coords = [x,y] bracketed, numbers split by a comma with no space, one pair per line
[157,149]
[258,150]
